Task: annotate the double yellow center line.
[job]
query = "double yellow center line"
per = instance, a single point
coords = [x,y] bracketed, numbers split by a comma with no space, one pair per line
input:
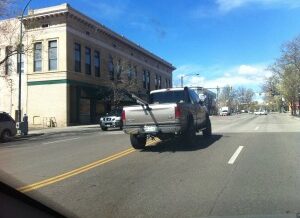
[77,171]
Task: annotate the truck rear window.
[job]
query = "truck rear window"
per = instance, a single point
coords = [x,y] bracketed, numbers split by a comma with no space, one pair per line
[167,97]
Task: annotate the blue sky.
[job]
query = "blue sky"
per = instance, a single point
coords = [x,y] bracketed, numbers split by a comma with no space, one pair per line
[225,41]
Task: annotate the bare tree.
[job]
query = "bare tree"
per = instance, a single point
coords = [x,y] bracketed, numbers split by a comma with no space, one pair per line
[8,28]
[10,31]
[286,72]
[290,87]
[244,97]
[123,80]
[227,96]
[11,49]
[271,90]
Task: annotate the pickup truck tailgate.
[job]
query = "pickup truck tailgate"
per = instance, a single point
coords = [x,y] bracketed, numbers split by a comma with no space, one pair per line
[158,114]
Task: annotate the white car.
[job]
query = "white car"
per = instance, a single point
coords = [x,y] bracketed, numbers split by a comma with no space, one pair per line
[224,113]
[112,119]
[264,112]
[261,112]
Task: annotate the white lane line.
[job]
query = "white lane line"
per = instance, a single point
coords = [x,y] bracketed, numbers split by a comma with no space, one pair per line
[256,128]
[235,155]
[63,140]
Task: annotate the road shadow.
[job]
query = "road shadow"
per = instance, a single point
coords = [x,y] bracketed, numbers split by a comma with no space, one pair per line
[178,144]
[112,130]
[93,127]
[20,138]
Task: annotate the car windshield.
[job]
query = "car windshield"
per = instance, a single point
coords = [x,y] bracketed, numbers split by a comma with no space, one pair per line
[151,108]
[114,113]
[167,97]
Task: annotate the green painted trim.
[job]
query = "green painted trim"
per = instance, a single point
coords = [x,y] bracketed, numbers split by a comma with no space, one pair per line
[47,82]
[65,81]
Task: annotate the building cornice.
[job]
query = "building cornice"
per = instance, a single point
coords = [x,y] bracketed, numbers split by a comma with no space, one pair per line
[67,10]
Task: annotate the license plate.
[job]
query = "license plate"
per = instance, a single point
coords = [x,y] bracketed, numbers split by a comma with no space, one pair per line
[150,128]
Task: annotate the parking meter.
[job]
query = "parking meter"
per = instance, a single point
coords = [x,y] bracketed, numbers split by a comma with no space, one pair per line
[25,125]
[22,127]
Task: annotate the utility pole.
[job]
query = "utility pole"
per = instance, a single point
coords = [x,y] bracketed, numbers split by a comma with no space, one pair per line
[181,78]
[181,81]
[20,61]
[11,90]
[218,90]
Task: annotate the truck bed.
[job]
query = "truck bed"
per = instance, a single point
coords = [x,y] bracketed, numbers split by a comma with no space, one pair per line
[157,114]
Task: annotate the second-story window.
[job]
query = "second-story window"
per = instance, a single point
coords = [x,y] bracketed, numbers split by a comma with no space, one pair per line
[52,55]
[135,72]
[77,57]
[166,83]
[159,82]
[97,63]
[144,80]
[156,81]
[119,69]
[37,63]
[88,61]
[22,60]
[130,72]
[111,69]
[148,80]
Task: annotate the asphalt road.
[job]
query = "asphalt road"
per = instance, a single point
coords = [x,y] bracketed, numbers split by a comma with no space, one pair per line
[250,166]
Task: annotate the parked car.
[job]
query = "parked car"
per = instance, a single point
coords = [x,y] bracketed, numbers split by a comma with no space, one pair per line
[264,112]
[261,112]
[170,112]
[112,120]
[7,127]
[224,111]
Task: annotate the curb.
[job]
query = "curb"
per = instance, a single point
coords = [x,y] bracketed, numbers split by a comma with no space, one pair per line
[28,136]
[294,117]
[66,131]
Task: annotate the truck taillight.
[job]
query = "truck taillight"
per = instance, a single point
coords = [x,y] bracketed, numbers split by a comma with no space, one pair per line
[177,112]
[123,116]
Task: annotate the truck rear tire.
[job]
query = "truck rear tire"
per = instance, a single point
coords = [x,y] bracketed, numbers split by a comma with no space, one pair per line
[207,131]
[138,141]
[190,132]
[5,136]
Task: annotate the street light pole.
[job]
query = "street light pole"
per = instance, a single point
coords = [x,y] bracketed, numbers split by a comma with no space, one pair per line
[181,81]
[10,84]
[20,61]
[181,78]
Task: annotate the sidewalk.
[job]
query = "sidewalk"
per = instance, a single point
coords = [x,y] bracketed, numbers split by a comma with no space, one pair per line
[33,132]
[295,117]
[288,114]
[64,129]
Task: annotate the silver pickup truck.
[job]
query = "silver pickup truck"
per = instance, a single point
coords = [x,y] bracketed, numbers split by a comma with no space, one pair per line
[170,112]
